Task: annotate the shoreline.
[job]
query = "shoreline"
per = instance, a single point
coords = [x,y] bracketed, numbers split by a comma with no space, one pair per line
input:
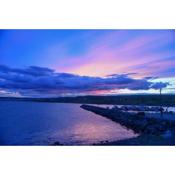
[153,131]
[115,104]
[143,140]
[138,122]
[167,100]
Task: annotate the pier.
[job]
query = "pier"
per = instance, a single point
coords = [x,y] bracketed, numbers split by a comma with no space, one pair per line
[138,122]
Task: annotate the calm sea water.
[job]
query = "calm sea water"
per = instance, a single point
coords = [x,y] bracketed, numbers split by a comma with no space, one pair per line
[31,123]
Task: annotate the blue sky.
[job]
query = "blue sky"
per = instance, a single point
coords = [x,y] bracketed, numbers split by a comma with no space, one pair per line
[86,56]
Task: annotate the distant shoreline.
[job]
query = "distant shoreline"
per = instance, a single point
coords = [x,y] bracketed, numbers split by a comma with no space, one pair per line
[147,100]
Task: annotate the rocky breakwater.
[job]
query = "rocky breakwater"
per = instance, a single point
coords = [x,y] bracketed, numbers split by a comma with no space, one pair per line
[138,122]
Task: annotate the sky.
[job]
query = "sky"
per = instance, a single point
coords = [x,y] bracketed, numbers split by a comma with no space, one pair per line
[51,63]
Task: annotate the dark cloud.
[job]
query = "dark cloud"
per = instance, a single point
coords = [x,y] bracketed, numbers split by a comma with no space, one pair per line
[159,85]
[126,74]
[32,70]
[151,78]
[44,81]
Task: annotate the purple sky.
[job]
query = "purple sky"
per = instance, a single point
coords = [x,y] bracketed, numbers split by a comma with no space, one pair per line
[80,62]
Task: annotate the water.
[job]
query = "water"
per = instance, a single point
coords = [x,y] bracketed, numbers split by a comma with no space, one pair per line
[31,123]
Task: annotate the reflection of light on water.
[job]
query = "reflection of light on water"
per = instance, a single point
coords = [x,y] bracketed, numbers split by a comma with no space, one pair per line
[94,132]
[90,131]
[47,123]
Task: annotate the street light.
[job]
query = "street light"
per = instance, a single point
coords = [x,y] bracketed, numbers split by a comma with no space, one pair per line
[161,108]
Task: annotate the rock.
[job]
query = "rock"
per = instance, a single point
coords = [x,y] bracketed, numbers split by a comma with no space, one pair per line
[57,143]
[141,114]
[167,134]
[138,122]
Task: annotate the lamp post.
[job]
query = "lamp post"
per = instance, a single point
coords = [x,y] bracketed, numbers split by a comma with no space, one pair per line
[161,109]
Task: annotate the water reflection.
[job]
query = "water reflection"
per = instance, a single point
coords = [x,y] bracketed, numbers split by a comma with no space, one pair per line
[29,123]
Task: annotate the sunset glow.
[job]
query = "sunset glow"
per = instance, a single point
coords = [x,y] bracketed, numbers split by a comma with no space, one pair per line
[88,56]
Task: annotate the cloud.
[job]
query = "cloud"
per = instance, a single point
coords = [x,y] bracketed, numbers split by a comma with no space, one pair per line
[39,81]
[4,93]
[32,70]
[127,74]
[159,85]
